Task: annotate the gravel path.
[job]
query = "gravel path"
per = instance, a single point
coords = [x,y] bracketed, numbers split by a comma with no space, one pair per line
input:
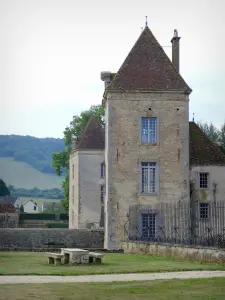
[110,277]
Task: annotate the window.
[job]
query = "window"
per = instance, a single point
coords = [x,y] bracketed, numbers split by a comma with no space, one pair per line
[102,193]
[148,177]
[204,210]
[73,171]
[73,194]
[148,130]
[35,207]
[102,170]
[148,225]
[203,180]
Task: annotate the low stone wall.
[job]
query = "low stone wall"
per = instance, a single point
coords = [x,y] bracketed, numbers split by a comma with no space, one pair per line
[179,251]
[50,238]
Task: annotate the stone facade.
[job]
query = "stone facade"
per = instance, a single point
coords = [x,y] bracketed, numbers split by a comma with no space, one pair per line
[39,238]
[125,153]
[216,187]
[85,203]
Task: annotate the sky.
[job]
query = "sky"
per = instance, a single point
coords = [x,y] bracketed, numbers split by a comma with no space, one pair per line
[52,53]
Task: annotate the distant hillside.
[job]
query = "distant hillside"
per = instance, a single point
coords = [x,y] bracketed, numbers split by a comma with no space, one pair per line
[37,152]
[22,175]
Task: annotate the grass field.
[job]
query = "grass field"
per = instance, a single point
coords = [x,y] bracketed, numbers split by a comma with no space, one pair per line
[35,263]
[195,289]
[22,175]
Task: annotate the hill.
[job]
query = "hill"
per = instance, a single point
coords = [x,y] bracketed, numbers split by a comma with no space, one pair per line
[22,175]
[36,152]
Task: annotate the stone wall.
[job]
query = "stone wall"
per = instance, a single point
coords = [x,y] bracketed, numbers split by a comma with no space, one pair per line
[40,238]
[178,251]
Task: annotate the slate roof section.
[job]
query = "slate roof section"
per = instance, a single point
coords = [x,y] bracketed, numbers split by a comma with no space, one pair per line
[8,200]
[93,136]
[7,208]
[148,68]
[203,152]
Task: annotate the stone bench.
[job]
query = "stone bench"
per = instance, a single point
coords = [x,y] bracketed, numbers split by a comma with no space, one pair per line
[95,257]
[54,258]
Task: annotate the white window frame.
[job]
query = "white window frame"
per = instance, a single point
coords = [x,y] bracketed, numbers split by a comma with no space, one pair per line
[204,211]
[149,166]
[149,134]
[73,171]
[73,194]
[199,178]
[102,170]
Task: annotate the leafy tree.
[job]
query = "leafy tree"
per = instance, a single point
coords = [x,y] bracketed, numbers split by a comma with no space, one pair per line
[60,160]
[4,191]
[210,130]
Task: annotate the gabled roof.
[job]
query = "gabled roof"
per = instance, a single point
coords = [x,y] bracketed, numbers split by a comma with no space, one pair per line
[202,150]
[93,136]
[148,68]
[8,200]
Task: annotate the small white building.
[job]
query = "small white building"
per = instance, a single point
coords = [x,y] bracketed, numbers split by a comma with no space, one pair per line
[30,207]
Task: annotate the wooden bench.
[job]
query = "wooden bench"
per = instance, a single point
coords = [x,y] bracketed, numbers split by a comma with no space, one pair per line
[95,257]
[54,258]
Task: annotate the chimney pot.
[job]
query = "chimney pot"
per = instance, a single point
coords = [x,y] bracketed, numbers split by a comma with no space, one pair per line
[176,50]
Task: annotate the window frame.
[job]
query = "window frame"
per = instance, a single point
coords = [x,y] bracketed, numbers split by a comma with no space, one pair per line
[199,180]
[73,194]
[73,171]
[148,237]
[156,141]
[204,211]
[102,170]
[156,168]
[102,193]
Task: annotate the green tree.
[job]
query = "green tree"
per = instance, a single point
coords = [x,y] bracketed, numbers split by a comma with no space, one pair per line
[210,130]
[60,160]
[222,138]
[4,191]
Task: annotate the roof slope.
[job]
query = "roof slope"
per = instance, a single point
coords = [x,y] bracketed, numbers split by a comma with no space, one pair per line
[202,150]
[93,136]
[147,67]
[8,200]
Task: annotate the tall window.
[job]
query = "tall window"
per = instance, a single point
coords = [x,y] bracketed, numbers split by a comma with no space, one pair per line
[73,194]
[73,171]
[148,225]
[102,170]
[148,130]
[102,193]
[204,210]
[148,177]
[203,180]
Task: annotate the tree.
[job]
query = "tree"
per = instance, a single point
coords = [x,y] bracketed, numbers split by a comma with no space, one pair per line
[4,191]
[210,130]
[222,138]
[60,160]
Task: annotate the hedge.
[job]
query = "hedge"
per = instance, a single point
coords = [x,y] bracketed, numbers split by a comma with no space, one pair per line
[57,225]
[46,217]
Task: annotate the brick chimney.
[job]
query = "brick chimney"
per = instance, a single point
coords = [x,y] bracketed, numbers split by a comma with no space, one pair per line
[175,50]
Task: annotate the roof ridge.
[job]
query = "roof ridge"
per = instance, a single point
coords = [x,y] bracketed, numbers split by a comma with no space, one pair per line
[147,67]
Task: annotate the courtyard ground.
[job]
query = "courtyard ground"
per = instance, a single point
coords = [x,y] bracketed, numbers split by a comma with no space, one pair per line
[189,289]
[35,263]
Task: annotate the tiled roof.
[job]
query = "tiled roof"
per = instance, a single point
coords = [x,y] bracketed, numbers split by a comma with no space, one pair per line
[147,67]
[93,136]
[7,200]
[7,208]
[202,150]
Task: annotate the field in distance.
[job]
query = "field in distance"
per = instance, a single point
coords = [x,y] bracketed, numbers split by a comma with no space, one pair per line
[22,175]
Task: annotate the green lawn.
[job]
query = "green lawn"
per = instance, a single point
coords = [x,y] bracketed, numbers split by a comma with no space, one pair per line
[24,263]
[195,289]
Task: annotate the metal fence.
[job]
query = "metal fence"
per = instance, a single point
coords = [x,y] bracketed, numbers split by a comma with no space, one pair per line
[188,223]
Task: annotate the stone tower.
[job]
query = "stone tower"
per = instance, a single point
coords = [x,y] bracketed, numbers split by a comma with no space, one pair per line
[146,134]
